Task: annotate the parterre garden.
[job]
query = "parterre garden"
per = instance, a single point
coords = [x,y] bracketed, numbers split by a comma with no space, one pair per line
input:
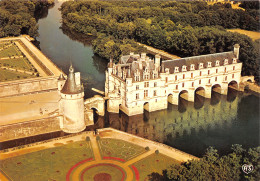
[13,64]
[77,161]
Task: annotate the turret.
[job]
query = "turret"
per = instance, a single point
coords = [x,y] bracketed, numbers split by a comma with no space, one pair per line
[72,104]
[61,81]
[236,50]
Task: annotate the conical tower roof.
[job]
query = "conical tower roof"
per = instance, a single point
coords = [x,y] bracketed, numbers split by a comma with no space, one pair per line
[70,86]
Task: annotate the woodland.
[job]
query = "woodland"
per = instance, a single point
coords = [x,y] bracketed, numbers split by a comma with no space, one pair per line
[183,28]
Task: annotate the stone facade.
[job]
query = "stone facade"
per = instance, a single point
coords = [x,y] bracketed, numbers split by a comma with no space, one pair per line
[139,82]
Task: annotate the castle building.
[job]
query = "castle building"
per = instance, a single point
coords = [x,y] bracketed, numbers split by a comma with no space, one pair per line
[138,82]
[71,103]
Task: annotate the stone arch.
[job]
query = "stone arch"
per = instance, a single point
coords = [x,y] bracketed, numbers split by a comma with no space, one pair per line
[199,97]
[146,106]
[216,88]
[95,114]
[232,91]
[183,101]
[233,84]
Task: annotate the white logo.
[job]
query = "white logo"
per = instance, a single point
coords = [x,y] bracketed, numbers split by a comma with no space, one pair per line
[247,168]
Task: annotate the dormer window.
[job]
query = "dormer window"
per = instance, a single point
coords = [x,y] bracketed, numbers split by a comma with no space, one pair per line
[167,70]
[146,76]
[209,64]
[200,65]
[192,67]
[234,60]
[176,69]
[225,61]
[217,63]
[184,68]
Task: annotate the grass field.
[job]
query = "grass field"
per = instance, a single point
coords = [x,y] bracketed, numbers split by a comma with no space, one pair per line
[18,63]
[119,149]
[252,34]
[10,51]
[2,44]
[153,163]
[46,165]
[7,75]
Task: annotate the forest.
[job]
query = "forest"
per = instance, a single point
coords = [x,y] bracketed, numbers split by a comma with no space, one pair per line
[181,28]
[18,16]
[212,166]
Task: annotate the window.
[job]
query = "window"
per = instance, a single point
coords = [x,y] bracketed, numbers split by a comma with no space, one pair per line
[176,77]
[225,69]
[146,77]
[199,81]
[233,76]
[183,68]
[192,84]
[137,96]
[183,84]
[200,73]
[217,63]
[176,87]
[146,84]
[155,84]
[137,87]
[166,79]
[209,81]
[216,71]
[176,69]
[145,93]
[216,78]
[201,65]
[191,75]
[209,64]
[233,67]
[154,93]
[208,72]
[225,61]
[192,67]
[226,78]
[183,76]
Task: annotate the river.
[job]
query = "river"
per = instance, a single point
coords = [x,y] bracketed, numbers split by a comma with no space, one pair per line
[218,122]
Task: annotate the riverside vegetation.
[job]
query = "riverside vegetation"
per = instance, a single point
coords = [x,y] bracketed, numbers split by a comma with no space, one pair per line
[181,28]
[19,16]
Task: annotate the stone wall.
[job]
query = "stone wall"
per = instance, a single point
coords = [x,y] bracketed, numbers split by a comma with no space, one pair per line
[28,86]
[30,128]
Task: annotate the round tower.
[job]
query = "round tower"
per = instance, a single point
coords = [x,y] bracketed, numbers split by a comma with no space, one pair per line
[72,105]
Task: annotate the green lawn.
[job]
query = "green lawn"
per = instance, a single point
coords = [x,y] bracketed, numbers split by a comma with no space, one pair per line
[10,51]
[19,63]
[153,163]
[120,149]
[49,164]
[8,75]
[2,44]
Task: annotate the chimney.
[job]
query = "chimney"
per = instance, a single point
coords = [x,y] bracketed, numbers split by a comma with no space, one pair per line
[157,60]
[236,50]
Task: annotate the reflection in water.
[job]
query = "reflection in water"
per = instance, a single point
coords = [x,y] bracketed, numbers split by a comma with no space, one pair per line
[193,128]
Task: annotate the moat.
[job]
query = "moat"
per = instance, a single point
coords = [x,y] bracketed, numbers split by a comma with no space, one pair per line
[219,122]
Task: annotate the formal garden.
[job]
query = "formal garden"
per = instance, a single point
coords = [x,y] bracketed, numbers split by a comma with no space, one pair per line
[13,64]
[92,159]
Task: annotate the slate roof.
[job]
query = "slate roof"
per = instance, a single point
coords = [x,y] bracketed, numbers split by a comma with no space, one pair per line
[199,59]
[70,86]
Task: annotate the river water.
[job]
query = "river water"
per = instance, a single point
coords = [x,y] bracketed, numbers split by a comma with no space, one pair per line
[190,127]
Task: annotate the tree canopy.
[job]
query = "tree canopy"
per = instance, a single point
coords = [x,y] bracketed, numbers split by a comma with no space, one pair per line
[181,28]
[17,17]
[214,167]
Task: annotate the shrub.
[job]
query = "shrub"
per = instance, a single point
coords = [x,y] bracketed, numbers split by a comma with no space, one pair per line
[157,152]
[98,138]
[147,148]
[87,138]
